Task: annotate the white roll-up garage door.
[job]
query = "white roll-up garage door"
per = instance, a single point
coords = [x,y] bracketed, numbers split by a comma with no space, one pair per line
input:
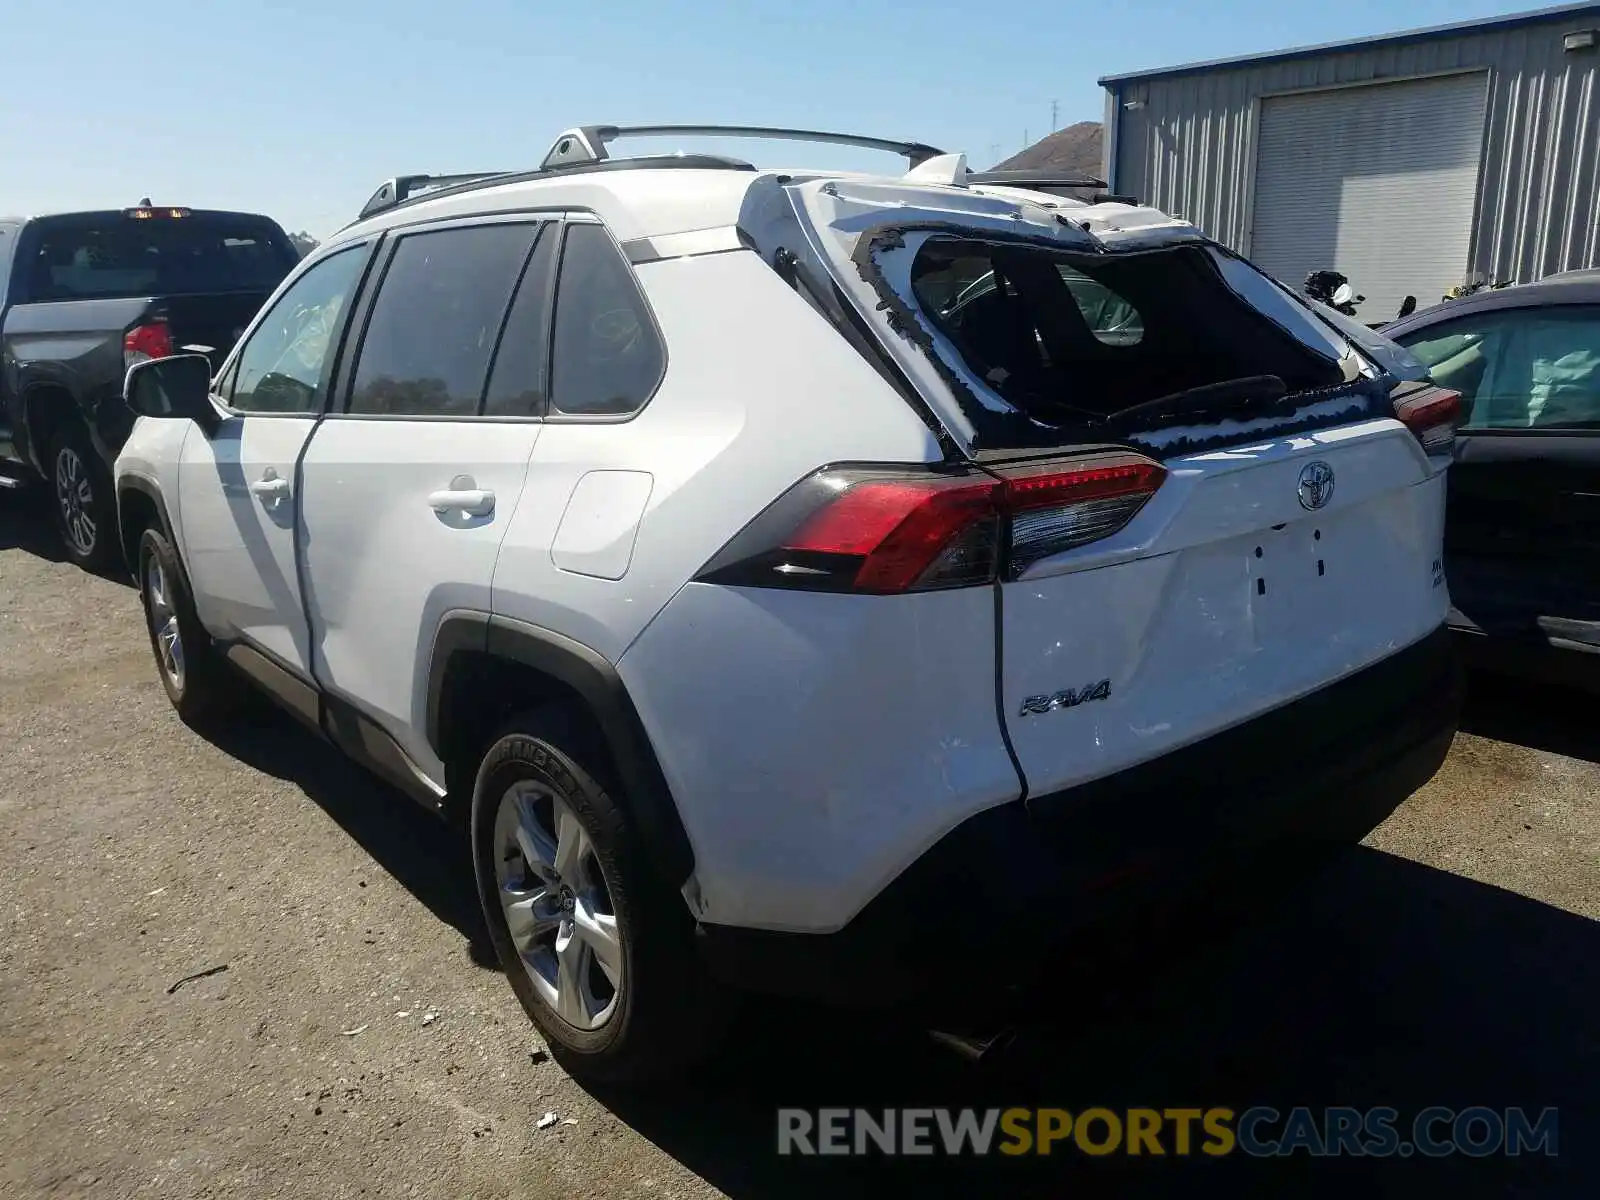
[1377,181]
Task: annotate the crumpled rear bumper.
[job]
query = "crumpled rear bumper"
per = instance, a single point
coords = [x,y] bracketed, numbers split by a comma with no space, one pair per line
[1012,882]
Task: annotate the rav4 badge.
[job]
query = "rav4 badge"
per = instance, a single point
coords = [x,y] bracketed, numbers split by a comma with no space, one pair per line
[1065,698]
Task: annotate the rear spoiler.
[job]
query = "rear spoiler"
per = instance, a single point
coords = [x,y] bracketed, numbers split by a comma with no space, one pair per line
[1041,181]
[1038,180]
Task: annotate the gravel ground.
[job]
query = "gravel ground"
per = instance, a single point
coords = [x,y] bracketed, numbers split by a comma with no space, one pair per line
[356,1042]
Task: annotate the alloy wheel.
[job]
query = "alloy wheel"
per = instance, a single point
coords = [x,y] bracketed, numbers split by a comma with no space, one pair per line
[74,495]
[557,905]
[163,622]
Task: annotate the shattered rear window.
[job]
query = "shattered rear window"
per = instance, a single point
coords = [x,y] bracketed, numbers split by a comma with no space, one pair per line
[1082,344]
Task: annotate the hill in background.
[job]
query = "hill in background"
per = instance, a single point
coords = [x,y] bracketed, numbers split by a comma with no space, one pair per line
[1075,150]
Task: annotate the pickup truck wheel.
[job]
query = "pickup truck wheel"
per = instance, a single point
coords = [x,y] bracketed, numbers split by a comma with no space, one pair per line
[197,680]
[83,500]
[595,944]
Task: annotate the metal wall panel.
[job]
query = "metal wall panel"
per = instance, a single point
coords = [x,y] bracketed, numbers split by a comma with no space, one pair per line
[1188,143]
[1379,181]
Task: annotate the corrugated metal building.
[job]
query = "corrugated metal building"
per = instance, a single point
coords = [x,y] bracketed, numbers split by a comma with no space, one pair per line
[1411,162]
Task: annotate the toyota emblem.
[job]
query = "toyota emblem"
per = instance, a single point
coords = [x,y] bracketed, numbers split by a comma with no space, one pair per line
[1316,485]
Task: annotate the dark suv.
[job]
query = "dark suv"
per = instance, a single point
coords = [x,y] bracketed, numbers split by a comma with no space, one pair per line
[84,296]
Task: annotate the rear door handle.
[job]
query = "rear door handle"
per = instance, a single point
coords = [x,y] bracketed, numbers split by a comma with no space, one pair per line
[476,502]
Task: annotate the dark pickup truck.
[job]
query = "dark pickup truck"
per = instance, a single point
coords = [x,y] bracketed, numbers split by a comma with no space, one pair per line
[84,296]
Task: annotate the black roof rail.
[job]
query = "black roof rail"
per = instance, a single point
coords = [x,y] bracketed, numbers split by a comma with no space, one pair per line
[445,185]
[402,187]
[587,143]
[584,148]
[1038,180]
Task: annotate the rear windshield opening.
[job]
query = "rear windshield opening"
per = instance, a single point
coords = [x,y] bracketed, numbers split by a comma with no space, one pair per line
[1104,343]
[104,256]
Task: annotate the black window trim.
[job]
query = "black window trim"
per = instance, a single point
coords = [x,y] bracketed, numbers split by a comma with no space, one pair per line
[548,230]
[1441,328]
[330,368]
[338,406]
[552,417]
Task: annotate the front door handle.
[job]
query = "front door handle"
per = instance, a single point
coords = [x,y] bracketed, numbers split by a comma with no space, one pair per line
[271,487]
[476,502]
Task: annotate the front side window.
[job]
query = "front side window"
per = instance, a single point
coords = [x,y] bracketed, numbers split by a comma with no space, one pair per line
[1109,316]
[959,282]
[436,320]
[608,357]
[281,367]
[1525,368]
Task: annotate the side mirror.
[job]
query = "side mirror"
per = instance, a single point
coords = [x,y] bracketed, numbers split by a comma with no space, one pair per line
[1408,306]
[175,387]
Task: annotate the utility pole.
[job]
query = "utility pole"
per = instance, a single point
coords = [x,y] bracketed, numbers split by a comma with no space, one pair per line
[1054,109]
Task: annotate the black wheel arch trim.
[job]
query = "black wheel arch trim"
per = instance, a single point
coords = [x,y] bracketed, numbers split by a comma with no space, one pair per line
[37,408]
[594,678]
[148,489]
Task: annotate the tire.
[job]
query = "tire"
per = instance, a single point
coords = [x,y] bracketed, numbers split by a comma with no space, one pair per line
[632,1007]
[84,513]
[199,683]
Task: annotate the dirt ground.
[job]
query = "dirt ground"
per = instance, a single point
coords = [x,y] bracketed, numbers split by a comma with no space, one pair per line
[354,1038]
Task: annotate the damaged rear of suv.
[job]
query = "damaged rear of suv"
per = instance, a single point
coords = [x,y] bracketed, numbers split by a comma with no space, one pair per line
[1210,525]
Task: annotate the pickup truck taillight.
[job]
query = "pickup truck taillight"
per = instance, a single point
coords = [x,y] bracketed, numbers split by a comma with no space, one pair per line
[885,531]
[151,339]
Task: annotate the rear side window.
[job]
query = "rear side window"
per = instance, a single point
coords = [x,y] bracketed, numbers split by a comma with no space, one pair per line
[105,256]
[1080,341]
[436,320]
[1521,368]
[607,357]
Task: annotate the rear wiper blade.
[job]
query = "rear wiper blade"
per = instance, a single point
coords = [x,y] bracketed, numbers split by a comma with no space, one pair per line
[1230,393]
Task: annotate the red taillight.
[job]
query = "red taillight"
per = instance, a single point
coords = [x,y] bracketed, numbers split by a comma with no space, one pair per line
[1432,413]
[1055,509]
[900,529]
[153,339]
[883,532]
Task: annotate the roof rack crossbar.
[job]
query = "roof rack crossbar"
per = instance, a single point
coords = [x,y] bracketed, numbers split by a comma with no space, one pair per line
[401,187]
[587,143]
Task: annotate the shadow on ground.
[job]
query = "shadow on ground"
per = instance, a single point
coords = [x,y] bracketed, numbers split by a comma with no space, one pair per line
[428,857]
[1372,981]
[1377,982]
[26,524]
[1542,716]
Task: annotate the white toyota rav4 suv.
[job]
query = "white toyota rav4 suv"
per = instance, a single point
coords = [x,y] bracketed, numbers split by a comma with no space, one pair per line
[803,580]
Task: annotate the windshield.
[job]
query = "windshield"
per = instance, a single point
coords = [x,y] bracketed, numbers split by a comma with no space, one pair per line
[103,256]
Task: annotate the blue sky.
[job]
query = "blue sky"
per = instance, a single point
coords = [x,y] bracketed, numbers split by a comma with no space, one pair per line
[300,109]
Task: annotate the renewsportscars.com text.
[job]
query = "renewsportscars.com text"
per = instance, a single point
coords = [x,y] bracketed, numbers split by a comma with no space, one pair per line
[1258,1132]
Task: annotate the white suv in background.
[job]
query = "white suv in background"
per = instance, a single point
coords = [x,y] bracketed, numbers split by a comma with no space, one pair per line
[802,580]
